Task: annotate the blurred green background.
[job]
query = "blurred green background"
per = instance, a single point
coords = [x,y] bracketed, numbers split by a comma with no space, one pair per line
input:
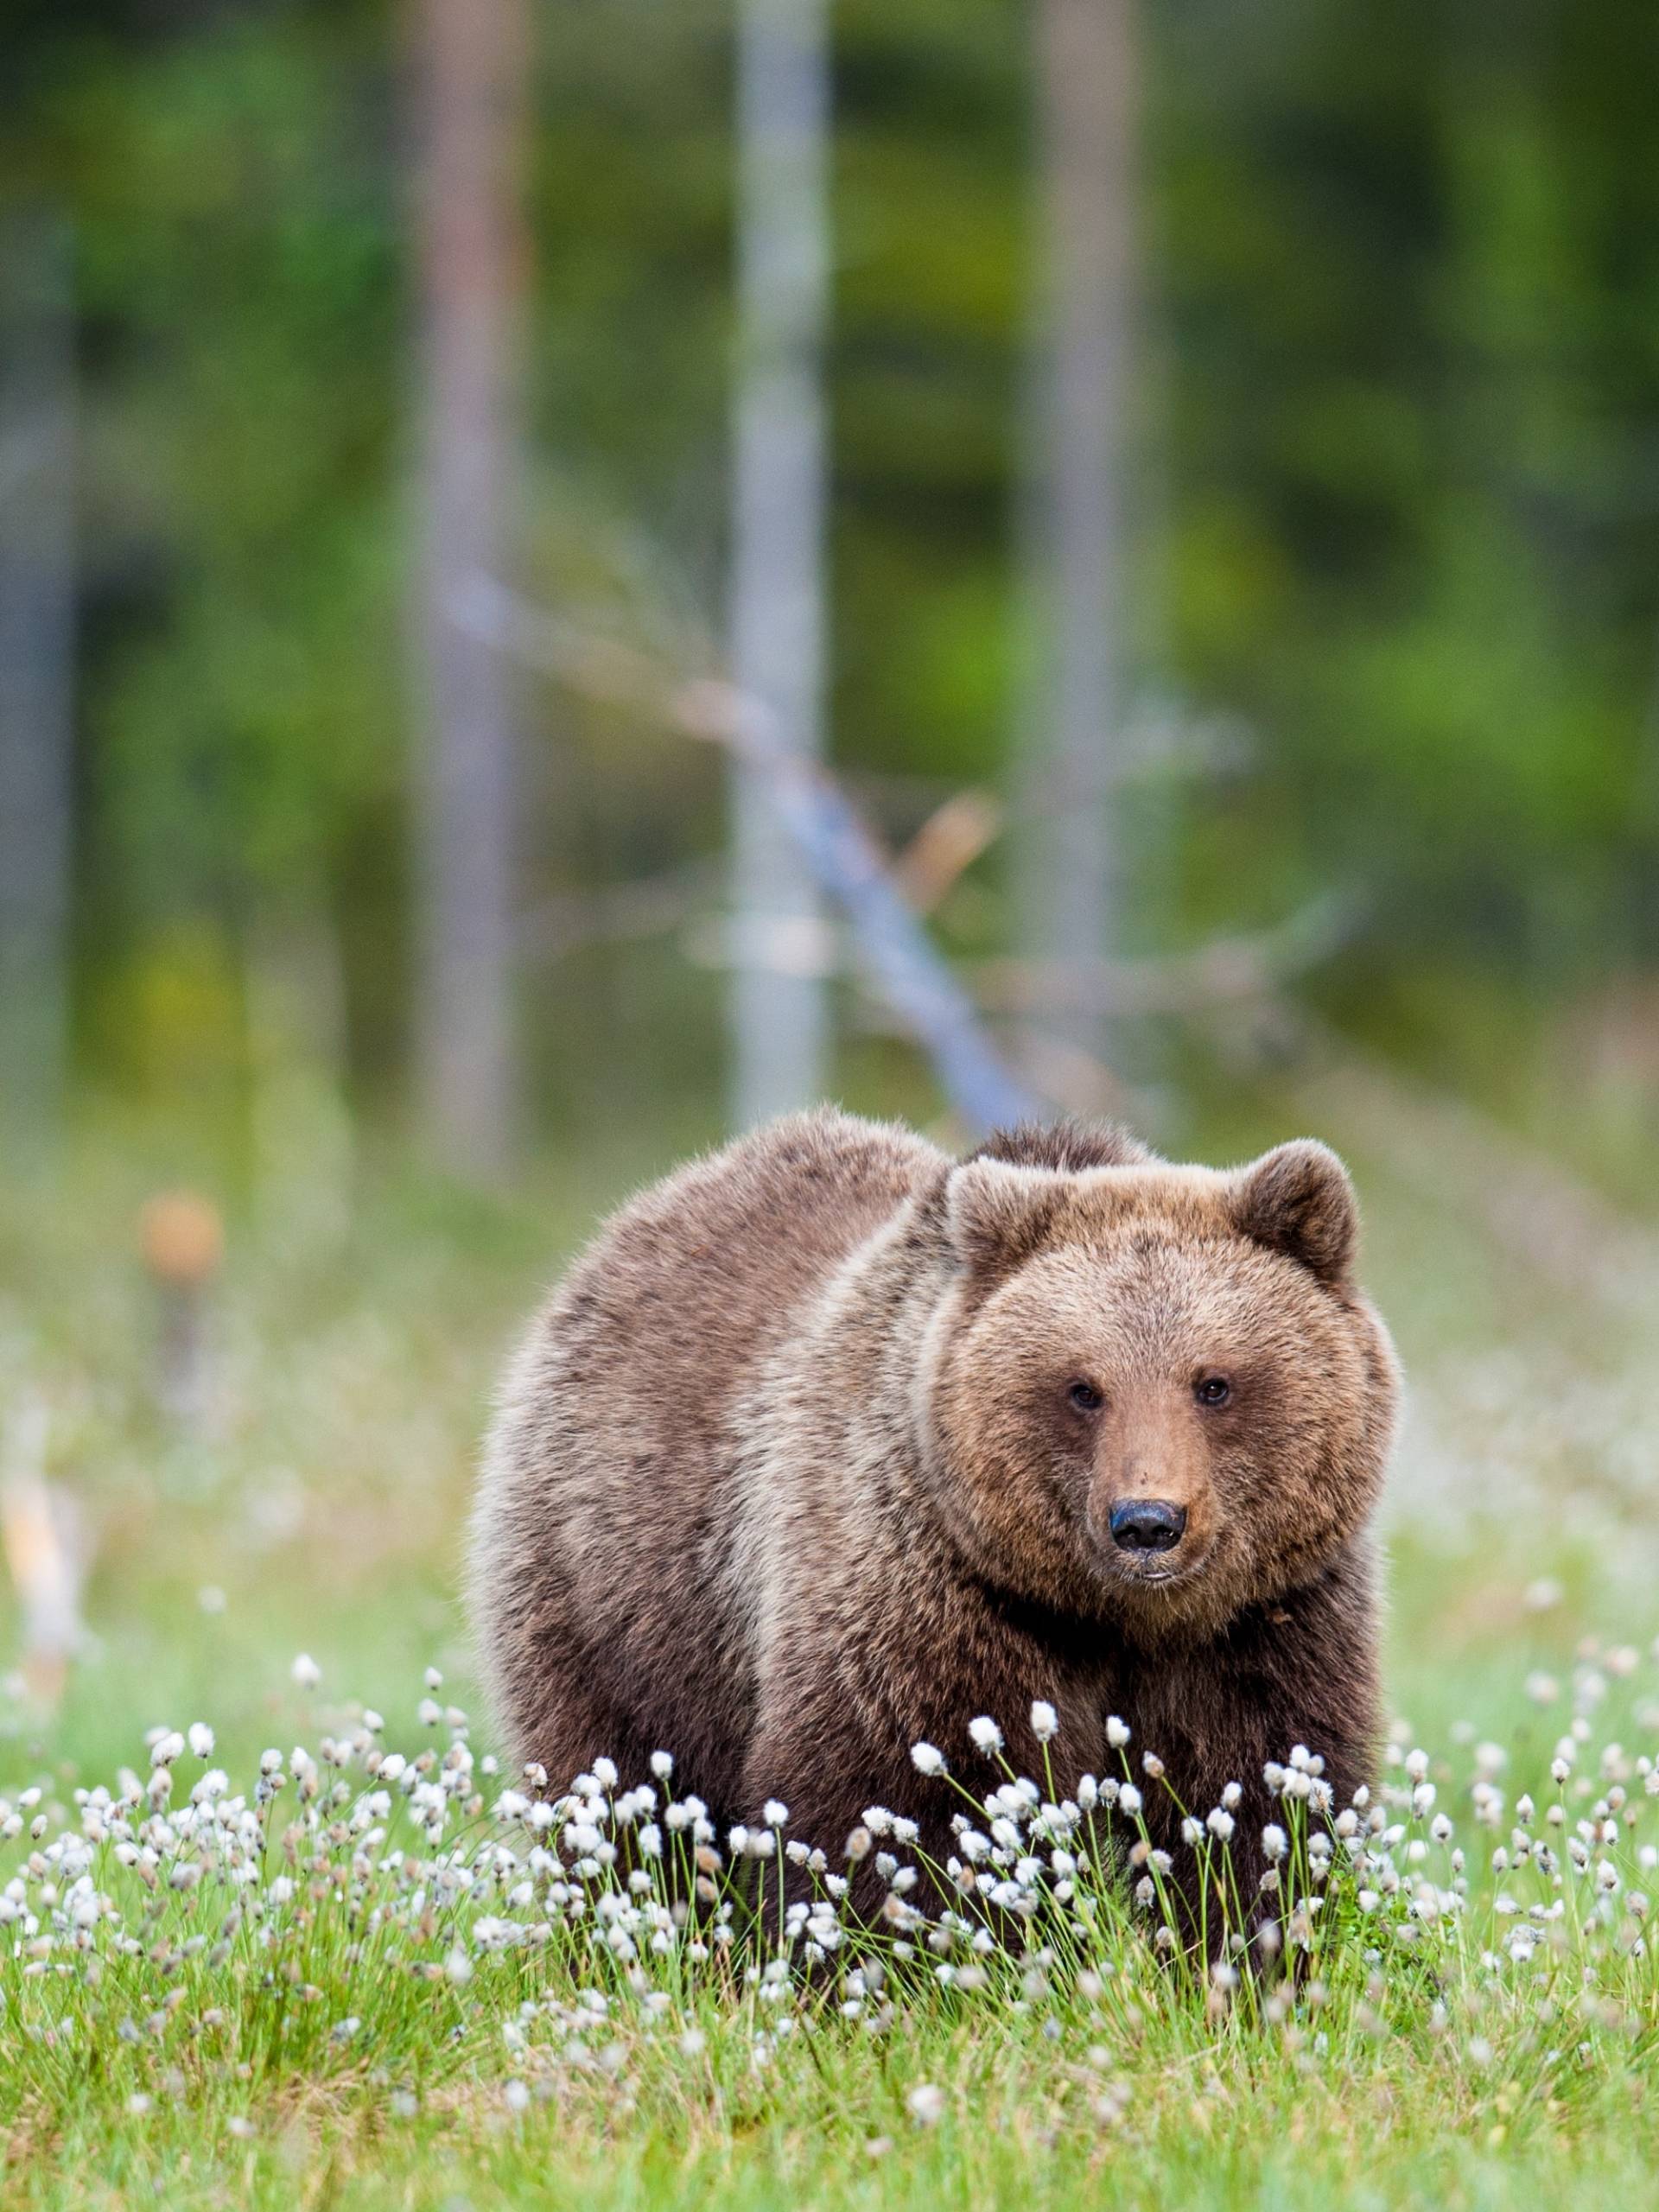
[1396,449]
[1378,749]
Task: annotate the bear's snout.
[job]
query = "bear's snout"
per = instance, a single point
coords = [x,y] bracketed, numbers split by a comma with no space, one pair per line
[1146,1524]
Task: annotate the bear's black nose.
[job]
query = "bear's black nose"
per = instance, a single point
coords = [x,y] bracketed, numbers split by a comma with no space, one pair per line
[1146,1524]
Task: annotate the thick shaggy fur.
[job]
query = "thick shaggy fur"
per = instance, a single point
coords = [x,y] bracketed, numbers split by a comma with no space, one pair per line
[790,1474]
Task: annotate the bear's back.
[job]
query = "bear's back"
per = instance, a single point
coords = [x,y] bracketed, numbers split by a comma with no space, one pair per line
[605,1515]
[664,1319]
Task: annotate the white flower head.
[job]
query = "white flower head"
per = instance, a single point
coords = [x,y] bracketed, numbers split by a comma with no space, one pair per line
[927,1758]
[986,1735]
[662,1765]
[1044,1721]
[925,2104]
[306,1671]
[1117,1733]
[202,1738]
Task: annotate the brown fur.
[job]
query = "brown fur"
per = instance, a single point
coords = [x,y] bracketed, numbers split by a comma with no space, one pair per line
[786,1476]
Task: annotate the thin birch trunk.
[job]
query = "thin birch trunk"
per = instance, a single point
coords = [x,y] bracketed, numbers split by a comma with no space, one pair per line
[474,69]
[779,1000]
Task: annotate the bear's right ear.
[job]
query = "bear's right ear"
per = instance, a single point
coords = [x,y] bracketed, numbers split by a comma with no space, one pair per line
[997,1216]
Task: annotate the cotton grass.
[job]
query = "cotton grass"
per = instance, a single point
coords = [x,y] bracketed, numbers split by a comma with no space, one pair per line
[404,1919]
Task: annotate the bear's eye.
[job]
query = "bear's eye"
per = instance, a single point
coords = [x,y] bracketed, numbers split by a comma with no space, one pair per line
[1213,1390]
[1084,1397]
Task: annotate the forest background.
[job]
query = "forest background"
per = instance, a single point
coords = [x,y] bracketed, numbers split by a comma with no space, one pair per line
[1190,473]
[1389,534]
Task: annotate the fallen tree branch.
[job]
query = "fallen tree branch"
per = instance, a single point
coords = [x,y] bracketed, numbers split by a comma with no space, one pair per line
[945,847]
[1546,1219]
[842,853]
[948,843]
[615,913]
[1223,972]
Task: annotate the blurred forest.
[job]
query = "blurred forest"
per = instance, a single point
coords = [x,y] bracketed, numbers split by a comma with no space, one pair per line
[1190,473]
[1385,685]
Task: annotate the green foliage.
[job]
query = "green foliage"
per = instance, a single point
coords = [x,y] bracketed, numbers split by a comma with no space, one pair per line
[1400,363]
[1411,334]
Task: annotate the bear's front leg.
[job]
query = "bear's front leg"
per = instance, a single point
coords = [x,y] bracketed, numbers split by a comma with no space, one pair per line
[826,1770]
[835,1735]
[1298,1674]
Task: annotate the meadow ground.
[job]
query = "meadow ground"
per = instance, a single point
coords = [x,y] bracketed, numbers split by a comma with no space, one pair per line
[358,1977]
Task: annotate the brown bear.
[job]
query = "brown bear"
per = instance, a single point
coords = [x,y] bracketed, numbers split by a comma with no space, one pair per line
[829,1443]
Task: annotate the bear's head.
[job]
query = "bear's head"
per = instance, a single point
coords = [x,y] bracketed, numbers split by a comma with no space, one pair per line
[1151,1393]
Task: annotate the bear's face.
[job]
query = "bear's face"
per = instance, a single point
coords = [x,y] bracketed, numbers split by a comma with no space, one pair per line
[1153,1393]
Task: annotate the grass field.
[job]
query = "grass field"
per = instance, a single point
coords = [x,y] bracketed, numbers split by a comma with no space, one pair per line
[361,1982]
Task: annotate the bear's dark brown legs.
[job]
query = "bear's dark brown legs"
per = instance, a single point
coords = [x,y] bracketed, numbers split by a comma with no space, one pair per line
[1300,1672]
[571,1726]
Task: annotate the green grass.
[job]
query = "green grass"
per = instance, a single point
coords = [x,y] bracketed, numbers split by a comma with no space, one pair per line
[318,1508]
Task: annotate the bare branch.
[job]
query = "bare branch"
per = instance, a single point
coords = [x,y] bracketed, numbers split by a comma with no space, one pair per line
[843,853]
[1223,972]
[945,847]
[616,913]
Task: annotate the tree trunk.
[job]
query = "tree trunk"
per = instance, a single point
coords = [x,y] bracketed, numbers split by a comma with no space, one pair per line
[1069,872]
[474,63]
[779,1005]
[36,672]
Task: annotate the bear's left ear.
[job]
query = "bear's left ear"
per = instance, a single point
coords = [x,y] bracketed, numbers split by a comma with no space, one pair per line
[997,1216]
[1298,1201]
